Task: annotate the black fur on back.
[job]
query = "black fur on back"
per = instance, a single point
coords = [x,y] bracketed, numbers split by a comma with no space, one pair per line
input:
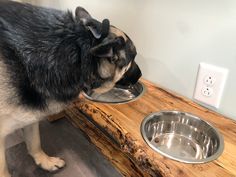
[46,53]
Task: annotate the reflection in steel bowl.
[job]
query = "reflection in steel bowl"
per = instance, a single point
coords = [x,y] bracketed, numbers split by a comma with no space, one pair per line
[118,94]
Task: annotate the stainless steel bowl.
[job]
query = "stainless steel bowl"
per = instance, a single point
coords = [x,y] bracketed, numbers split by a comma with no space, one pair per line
[182,137]
[118,94]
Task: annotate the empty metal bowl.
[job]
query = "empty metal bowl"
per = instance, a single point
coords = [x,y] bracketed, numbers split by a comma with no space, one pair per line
[182,137]
[118,94]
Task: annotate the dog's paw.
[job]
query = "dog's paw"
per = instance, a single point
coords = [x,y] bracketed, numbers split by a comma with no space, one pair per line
[48,163]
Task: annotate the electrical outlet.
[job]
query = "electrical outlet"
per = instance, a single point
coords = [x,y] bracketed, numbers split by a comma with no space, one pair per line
[207,91]
[209,80]
[210,84]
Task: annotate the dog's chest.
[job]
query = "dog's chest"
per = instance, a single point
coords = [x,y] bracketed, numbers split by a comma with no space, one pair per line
[17,117]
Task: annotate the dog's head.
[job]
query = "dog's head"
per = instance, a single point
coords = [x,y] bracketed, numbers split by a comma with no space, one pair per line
[113,53]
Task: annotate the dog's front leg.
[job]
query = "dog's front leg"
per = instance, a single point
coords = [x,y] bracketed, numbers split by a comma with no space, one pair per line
[32,138]
[3,165]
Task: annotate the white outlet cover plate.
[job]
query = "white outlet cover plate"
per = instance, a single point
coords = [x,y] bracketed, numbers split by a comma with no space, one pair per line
[220,75]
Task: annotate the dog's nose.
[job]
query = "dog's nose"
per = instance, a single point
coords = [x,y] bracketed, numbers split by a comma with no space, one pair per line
[131,76]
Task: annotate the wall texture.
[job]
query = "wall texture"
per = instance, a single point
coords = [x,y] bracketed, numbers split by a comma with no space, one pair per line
[173,37]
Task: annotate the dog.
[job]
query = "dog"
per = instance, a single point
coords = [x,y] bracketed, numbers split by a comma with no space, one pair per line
[47,57]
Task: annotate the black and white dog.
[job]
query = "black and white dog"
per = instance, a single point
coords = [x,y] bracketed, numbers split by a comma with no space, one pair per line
[47,57]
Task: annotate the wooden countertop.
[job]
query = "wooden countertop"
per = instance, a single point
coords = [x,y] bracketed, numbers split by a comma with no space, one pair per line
[123,122]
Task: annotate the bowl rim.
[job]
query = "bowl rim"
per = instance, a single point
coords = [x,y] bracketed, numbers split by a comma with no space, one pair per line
[117,103]
[208,159]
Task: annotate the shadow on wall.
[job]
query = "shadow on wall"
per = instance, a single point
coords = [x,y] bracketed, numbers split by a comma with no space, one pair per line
[159,73]
[46,3]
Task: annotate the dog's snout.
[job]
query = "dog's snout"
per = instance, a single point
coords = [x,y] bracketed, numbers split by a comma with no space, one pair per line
[131,76]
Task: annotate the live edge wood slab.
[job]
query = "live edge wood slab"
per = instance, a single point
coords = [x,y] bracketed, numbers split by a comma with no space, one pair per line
[122,124]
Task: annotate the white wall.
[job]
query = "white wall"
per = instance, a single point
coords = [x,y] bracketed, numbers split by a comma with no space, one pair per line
[172,37]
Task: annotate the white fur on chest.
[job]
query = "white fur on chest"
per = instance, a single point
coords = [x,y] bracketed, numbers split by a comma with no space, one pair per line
[16,117]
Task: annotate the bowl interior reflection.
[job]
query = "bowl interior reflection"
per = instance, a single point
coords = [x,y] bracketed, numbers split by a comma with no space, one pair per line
[118,94]
[182,137]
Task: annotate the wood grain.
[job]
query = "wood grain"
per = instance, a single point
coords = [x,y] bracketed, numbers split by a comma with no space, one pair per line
[55,117]
[105,145]
[123,122]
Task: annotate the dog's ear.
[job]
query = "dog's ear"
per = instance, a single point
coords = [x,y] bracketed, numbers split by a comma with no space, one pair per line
[106,48]
[94,26]
[81,13]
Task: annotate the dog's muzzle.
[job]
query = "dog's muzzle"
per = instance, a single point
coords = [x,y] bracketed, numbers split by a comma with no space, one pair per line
[131,77]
